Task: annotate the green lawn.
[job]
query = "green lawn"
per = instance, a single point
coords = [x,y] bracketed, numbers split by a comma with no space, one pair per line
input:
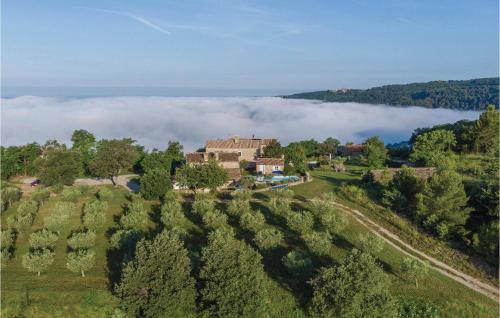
[61,293]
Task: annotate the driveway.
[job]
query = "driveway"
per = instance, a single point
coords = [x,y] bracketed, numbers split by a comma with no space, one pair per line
[125,181]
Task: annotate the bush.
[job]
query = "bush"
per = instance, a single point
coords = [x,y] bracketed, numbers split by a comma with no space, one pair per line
[104,194]
[334,221]
[416,309]
[318,243]
[297,263]
[320,207]
[214,219]
[82,240]
[252,221]
[238,207]
[57,188]
[300,222]
[7,239]
[71,194]
[268,239]
[202,204]
[43,239]
[370,243]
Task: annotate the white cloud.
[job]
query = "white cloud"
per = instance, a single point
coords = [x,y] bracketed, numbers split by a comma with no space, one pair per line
[153,121]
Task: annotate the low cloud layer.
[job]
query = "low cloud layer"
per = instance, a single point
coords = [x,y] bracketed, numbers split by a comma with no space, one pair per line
[153,121]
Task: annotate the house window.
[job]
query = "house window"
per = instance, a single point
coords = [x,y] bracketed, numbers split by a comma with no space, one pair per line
[276,168]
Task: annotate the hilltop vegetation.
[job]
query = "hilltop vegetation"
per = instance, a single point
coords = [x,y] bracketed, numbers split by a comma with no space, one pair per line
[464,95]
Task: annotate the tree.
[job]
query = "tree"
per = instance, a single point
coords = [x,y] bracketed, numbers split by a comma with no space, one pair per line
[252,221]
[232,277]
[203,176]
[414,269]
[40,195]
[10,162]
[43,239]
[82,240]
[214,219]
[268,239]
[175,152]
[318,242]
[94,216]
[59,167]
[135,217]
[156,160]
[329,146]
[485,241]
[273,150]
[84,143]
[113,157]
[357,287]
[486,131]
[27,157]
[300,222]
[334,221]
[172,215]
[402,190]
[38,261]
[158,281]
[105,194]
[202,204]
[297,263]
[10,195]
[375,152]
[295,158]
[238,207]
[442,204]
[80,261]
[370,244]
[155,183]
[59,219]
[430,149]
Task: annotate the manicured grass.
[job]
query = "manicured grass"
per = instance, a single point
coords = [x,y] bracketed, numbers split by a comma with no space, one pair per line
[61,293]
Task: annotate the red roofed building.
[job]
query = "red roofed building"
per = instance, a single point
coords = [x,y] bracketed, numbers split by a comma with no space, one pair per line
[269,165]
[350,150]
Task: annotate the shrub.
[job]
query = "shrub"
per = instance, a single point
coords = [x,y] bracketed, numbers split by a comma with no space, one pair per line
[57,188]
[268,239]
[354,194]
[7,239]
[172,215]
[320,207]
[252,221]
[237,207]
[71,194]
[135,217]
[297,263]
[4,257]
[40,195]
[214,219]
[242,195]
[370,243]
[10,195]
[334,221]
[318,243]
[82,240]
[43,239]
[202,204]
[104,194]
[280,206]
[300,222]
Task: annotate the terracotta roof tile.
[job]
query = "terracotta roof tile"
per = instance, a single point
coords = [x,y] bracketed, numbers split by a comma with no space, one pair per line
[237,143]
[270,161]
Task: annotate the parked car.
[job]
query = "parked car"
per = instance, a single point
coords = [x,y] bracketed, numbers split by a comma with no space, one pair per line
[35,182]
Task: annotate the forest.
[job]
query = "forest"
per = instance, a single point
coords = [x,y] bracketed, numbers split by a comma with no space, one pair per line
[472,94]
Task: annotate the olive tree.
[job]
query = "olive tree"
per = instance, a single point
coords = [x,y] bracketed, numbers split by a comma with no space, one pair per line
[297,263]
[38,261]
[300,222]
[94,216]
[414,269]
[252,221]
[40,195]
[371,244]
[82,240]
[268,239]
[43,239]
[80,261]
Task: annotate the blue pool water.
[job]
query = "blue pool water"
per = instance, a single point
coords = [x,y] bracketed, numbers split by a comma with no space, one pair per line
[285,178]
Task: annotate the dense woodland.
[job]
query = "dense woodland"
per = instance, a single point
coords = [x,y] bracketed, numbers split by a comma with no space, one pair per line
[220,255]
[465,95]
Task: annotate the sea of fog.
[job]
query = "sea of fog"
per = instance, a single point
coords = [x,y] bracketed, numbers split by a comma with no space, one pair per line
[153,121]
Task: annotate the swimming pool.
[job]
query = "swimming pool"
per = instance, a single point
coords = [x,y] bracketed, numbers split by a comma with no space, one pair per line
[285,178]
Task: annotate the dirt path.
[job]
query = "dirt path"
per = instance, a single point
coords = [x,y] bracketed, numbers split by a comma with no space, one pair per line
[391,239]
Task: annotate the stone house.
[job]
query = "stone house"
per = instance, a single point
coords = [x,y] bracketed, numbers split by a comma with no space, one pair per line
[269,165]
[352,150]
[227,160]
[248,149]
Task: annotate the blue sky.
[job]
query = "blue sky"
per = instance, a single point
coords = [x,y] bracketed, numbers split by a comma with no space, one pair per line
[246,44]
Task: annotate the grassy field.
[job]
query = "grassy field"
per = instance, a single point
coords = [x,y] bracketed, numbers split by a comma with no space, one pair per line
[61,293]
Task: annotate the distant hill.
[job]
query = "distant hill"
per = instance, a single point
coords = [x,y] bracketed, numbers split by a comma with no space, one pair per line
[473,94]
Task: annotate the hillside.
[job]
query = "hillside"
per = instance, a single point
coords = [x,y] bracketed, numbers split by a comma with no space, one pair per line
[473,94]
